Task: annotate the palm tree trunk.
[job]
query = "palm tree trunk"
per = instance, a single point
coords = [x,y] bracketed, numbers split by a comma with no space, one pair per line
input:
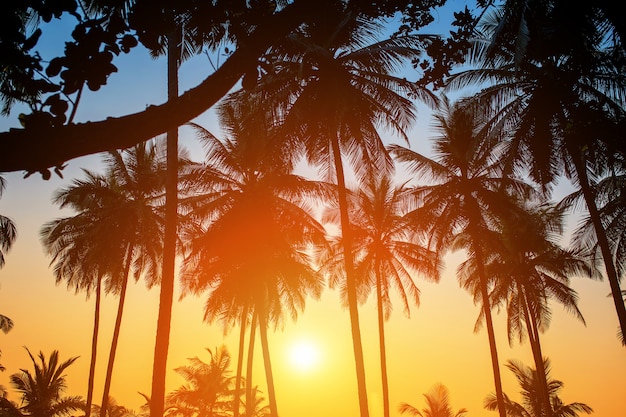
[166,297]
[249,399]
[484,292]
[242,337]
[535,345]
[269,376]
[603,241]
[350,279]
[381,341]
[116,334]
[94,347]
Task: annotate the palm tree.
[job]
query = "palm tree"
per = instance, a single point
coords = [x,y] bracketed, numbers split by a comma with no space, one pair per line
[248,250]
[609,191]
[8,233]
[208,391]
[178,44]
[560,88]
[77,245]
[466,199]
[531,405]
[254,404]
[116,410]
[42,391]
[437,405]
[530,268]
[333,86]
[386,253]
[122,210]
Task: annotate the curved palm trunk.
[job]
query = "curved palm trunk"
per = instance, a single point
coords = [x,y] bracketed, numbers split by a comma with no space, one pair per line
[484,293]
[381,342]
[249,398]
[350,279]
[116,335]
[535,345]
[242,336]
[94,347]
[269,376]
[603,241]
[166,297]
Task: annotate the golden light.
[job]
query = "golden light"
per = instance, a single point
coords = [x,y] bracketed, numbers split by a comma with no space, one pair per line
[304,355]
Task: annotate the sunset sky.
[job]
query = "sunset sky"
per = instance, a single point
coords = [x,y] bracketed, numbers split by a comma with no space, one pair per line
[435,345]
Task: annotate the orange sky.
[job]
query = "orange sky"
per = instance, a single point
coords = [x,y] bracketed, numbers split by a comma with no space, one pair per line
[436,344]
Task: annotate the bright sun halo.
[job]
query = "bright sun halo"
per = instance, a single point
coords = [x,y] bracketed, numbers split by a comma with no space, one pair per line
[304,355]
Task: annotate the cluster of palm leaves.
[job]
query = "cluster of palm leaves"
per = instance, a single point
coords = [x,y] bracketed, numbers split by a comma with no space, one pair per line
[550,101]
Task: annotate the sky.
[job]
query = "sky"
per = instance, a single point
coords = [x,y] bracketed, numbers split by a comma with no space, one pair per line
[436,344]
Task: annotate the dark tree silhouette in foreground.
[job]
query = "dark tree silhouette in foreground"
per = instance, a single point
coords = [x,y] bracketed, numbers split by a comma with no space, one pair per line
[255,26]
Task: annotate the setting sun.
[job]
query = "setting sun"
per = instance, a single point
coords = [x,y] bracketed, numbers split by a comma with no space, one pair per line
[304,355]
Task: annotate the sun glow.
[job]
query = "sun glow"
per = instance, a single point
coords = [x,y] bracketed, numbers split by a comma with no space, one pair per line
[304,355]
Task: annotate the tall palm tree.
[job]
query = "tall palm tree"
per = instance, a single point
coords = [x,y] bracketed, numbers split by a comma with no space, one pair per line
[437,405]
[8,233]
[332,86]
[465,199]
[208,391]
[122,209]
[531,404]
[77,245]
[609,192]
[248,249]
[530,269]
[386,254]
[178,45]
[560,87]
[42,390]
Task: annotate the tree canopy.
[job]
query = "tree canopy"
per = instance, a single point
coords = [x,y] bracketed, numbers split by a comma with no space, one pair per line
[50,87]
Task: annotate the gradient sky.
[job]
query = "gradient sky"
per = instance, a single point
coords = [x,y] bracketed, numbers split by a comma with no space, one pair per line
[435,345]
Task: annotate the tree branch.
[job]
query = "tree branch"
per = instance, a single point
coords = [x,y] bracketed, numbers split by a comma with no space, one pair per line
[37,149]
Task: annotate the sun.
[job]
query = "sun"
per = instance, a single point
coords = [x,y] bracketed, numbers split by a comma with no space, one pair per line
[304,355]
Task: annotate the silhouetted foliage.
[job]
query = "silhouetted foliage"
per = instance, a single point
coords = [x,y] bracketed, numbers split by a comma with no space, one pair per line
[41,391]
[437,405]
[51,86]
[531,396]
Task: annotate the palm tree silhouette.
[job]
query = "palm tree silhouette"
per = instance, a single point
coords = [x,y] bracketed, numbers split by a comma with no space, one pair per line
[42,391]
[437,405]
[208,391]
[8,233]
[466,199]
[609,192]
[559,89]
[530,268]
[122,209]
[248,249]
[116,410]
[77,258]
[332,86]
[386,254]
[531,405]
